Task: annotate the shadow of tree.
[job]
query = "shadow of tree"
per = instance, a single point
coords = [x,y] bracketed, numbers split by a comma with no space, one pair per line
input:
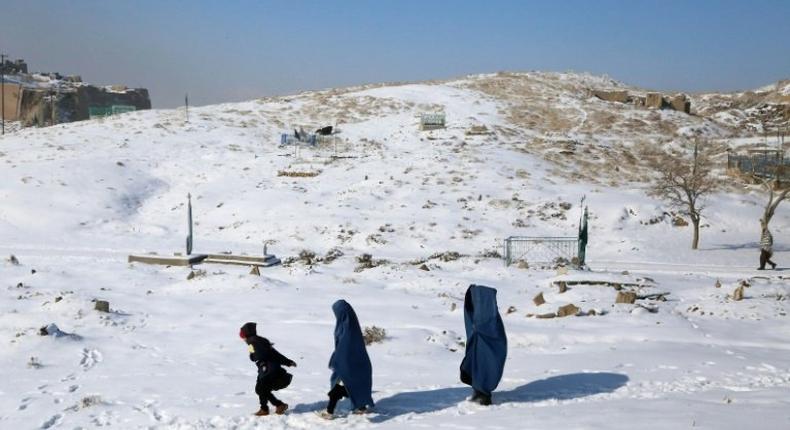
[561,387]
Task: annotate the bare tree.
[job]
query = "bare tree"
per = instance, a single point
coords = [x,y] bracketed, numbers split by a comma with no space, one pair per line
[777,191]
[683,180]
[775,196]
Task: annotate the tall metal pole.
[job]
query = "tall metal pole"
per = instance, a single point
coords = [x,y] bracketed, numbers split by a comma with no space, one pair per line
[2,89]
[189,222]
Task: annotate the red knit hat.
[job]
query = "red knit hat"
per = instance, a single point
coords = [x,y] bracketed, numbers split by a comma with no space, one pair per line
[247,330]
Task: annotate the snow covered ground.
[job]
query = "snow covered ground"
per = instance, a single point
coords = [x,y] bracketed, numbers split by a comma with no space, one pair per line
[78,198]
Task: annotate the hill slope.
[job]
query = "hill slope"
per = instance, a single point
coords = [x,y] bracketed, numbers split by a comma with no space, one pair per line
[78,198]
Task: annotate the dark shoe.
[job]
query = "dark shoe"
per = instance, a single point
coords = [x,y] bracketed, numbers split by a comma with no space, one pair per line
[262,412]
[484,400]
[773,266]
[761,268]
[281,408]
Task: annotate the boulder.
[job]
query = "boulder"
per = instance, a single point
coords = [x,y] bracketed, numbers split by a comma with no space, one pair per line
[102,306]
[568,310]
[539,300]
[625,297]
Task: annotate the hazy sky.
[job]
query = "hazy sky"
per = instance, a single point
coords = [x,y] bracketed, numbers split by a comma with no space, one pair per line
[239,50]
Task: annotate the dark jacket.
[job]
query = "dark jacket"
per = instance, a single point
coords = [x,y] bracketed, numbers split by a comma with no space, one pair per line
[486,342]
[350,363]
[268,359]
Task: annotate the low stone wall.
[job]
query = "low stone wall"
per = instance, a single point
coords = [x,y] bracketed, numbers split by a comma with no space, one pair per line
[652,100]
[612,96]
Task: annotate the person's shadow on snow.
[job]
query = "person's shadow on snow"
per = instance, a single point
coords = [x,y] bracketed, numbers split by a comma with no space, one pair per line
[562,387]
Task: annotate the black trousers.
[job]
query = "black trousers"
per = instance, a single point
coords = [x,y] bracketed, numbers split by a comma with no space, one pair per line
[765,257]
[335,394]
[263,389]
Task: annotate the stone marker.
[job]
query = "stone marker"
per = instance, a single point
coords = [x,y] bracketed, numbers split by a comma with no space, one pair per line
[102,306]
[737,295]
[567,310]
[255,271]
[718,284]
[539,300]
[625,297]
[562,286]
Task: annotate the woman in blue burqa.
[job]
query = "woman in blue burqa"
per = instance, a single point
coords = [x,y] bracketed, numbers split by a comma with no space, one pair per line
[352,373]
[486,343]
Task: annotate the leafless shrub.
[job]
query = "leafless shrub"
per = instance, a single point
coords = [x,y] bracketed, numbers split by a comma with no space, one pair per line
[366,261]
[297,174]
[373,335]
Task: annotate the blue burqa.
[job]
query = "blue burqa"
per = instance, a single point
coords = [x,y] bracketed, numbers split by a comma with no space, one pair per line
[486,343]
[350,362]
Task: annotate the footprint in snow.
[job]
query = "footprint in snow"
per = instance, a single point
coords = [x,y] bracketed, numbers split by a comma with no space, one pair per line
[52,421]
[90,357]
[25,402]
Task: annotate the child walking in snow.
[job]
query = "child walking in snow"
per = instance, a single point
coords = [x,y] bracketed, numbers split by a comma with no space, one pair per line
[766,247]
[271,375]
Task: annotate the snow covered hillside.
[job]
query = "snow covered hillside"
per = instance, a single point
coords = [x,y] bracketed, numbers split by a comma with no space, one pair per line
[431,208]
